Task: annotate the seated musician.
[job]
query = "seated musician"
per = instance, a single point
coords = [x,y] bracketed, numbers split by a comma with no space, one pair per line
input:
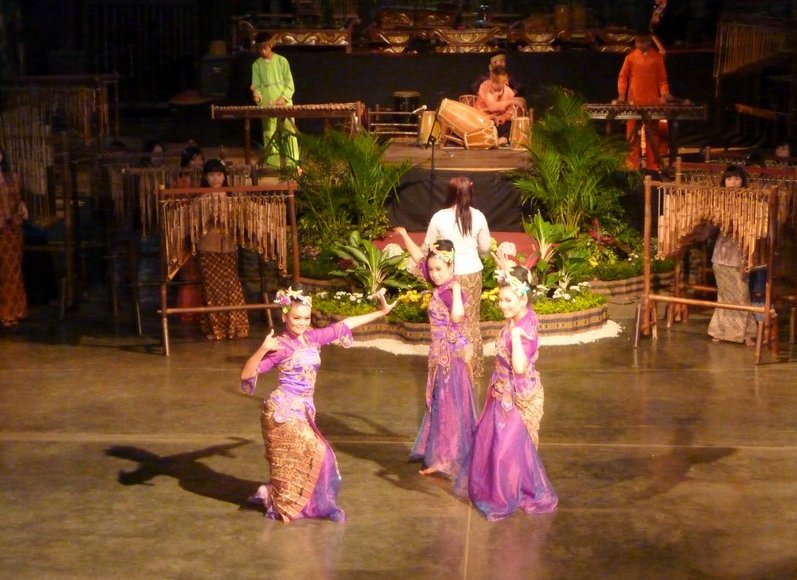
[643,82]
[272,86]
[498,100]
[498,61]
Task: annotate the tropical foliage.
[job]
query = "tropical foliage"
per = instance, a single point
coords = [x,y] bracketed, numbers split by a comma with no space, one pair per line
[575,171]
[367,267]
[558,260]
[344,186]
[413,305]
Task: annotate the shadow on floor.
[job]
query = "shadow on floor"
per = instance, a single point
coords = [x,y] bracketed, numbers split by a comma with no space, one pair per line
[190,473]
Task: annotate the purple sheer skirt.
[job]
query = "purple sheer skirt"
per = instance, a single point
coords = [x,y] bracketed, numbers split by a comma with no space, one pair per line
[503,471]
[323,501]
[446,432]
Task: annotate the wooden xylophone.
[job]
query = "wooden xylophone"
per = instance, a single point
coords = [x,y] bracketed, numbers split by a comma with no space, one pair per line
[350,111]
[671,112]
[627,112]
[308,111]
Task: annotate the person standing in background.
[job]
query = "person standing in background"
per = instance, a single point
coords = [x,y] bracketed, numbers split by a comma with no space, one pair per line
[272,86]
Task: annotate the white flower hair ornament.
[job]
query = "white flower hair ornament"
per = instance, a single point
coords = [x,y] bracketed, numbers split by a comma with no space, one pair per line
[446,255]
[285,297]
[507,248]
[505,277]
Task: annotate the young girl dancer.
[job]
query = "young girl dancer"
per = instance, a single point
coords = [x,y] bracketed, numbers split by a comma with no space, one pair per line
[503,472]
[447,428]
[304,474]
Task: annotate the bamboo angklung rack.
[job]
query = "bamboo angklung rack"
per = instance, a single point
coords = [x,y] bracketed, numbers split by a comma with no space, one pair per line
[81,101]
[749,215]
[258,217]
[129,196]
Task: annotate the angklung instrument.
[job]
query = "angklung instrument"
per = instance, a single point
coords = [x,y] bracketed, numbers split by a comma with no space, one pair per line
[749,215]
[261,218]
[352,112]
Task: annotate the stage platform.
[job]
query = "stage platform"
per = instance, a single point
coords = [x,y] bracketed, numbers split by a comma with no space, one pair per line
[423,188]
[456,158]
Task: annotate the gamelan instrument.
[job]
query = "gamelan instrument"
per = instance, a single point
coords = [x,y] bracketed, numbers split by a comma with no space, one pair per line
[350,111]
[672,112]
[429,127]
[748,215]
[519,132]
[472,126]
[628,112]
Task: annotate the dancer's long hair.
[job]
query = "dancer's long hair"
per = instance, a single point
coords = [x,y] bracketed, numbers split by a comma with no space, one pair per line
[459,194]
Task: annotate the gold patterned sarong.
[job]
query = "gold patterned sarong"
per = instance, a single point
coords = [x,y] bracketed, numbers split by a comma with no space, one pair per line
[295,453]
[221,286]
[530,406]
[471,328]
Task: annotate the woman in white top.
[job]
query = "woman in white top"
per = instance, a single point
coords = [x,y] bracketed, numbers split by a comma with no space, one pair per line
[467,228]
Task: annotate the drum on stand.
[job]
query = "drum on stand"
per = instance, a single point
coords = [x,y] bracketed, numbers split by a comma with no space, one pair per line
[474,127]
[428,127]
[519,133]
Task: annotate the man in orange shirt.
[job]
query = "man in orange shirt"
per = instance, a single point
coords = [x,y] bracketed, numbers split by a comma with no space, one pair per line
[643,81]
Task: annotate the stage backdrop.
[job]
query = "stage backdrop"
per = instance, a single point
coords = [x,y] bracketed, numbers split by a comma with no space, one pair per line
[422,193]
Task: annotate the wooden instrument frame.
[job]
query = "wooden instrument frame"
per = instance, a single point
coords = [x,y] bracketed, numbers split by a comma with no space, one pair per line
[647,313]
[350,111]
[287,188]
[672,113]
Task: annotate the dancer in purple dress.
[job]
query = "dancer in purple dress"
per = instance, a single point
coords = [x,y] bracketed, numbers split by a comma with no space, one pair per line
[503,471]
[304,474]
[447,428]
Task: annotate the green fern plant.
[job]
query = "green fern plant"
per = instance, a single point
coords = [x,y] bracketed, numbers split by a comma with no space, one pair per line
[345,185]
[573,175]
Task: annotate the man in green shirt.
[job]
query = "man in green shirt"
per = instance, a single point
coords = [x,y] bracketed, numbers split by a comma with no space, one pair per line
[272,86]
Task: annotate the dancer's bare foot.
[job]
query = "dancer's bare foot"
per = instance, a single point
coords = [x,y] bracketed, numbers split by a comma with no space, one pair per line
[426,471]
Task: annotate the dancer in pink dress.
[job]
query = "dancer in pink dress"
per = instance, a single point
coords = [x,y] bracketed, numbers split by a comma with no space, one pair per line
[503,471]
[304,473]
[446,431]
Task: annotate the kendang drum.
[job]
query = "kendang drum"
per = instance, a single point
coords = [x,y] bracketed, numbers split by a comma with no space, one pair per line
[485,138]
[464,120]
[429,127]
[519,132]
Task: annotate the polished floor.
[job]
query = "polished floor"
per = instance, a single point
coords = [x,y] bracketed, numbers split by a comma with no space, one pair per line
[674,460]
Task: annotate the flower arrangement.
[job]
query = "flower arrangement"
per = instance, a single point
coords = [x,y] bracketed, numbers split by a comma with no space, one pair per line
[342,303]
[413,305]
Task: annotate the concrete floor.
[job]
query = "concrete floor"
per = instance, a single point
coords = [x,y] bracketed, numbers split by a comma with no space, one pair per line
[675,460]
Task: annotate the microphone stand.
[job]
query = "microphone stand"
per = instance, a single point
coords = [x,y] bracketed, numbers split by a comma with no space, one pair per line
[430,142]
